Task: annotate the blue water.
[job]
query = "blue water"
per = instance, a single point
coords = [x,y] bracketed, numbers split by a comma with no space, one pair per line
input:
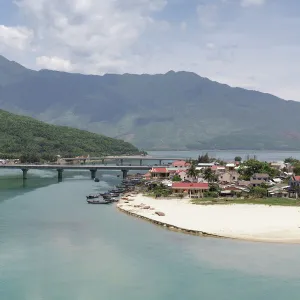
[55,246]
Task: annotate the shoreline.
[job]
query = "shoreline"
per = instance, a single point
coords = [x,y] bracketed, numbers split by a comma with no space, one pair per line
[219,221]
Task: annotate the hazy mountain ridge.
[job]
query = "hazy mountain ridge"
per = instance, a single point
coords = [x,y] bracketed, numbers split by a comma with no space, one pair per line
[176,110]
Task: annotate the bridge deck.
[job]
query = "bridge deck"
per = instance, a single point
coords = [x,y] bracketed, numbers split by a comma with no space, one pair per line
[129,158]
[75,167]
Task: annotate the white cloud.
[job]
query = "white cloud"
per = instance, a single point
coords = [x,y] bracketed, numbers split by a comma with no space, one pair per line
[246,3]
[93,36]
[15,37]
[54,63]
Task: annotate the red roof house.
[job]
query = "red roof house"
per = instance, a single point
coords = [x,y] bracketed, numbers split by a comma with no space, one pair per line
[160,172]
[191,188]
[180,164]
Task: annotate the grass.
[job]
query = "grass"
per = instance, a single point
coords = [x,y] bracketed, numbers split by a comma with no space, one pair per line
[261,201]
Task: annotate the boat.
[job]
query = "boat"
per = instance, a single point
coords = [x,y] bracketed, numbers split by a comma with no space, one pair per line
[96,179]
[93,196]
[114,194]
[98,201]
[114,199]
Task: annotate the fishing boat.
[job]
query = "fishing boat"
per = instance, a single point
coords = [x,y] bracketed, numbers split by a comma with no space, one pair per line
[98,201]
[93,196]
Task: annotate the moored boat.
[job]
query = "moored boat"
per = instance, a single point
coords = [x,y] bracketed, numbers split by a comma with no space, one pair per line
[98,201]
[93,196]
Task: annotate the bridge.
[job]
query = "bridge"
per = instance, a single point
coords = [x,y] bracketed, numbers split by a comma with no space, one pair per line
[60,168]
[121,159]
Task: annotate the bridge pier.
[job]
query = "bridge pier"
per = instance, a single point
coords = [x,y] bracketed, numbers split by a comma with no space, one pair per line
[125,173]
[141,162]
[60,174]
[121,161]
[160,162]
[93,173]
[25,171]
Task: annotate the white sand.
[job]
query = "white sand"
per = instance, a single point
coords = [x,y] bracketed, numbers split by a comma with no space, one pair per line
[241,221]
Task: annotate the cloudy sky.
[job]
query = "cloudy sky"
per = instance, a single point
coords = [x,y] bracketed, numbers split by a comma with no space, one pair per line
[249,43]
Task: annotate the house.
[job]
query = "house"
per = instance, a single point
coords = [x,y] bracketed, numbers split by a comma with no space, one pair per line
[279,165]
[294,186]
[160,173]
[182,174]
[191,189]
[258,179]
[147,176]
[229,177]
[230,166]
[205,166]
[180,164]
[218,169]
[279,191]
[232,190]
[256,182]
[261,176]
[244,183]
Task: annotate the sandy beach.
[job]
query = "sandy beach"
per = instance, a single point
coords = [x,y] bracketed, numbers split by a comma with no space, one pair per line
[239,221]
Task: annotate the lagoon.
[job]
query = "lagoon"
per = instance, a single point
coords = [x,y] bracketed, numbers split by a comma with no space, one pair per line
[55,246]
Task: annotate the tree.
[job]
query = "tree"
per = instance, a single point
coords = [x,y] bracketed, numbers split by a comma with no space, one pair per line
[192,171]
[176,178]
[204,158]
[296,169]
[209,175]
[238,158]
[259,192]
[252,166]
[291,160]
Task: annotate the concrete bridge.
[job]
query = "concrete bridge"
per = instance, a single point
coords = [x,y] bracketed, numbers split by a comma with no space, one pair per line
[121,159]
[60,168]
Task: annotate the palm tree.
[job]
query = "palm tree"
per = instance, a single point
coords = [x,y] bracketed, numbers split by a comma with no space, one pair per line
[192,171]
[209,175]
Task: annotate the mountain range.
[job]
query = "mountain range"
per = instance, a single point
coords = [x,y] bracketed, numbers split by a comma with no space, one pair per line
[176,110]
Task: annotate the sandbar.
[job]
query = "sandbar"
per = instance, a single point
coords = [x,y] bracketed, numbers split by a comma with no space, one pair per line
[251,222]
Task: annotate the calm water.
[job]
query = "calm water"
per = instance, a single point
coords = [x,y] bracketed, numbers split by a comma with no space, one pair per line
[53,246]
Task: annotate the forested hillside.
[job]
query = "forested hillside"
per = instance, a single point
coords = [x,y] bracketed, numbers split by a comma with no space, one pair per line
[23,135]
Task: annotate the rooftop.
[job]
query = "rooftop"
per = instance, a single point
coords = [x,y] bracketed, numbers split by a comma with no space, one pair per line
[190,185]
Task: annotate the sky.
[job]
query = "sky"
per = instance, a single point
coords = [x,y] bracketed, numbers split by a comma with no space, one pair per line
[253,44]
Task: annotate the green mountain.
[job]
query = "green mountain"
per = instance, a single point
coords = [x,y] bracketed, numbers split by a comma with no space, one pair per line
[176,110]
[24,135]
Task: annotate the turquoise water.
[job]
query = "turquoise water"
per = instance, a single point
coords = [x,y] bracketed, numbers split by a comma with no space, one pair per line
[55,246]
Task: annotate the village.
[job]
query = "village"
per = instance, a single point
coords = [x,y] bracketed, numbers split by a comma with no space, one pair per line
[217,179]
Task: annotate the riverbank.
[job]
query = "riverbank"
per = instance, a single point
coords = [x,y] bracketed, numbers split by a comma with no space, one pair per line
[238,221]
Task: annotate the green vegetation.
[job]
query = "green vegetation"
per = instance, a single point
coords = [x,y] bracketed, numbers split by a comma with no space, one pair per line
[176,178]
[210,175]
[295,163]
[136,108]
[238,158]
[252,166]
[263,201]
[31,140]
[192,172]
[158,190]
[259,192]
